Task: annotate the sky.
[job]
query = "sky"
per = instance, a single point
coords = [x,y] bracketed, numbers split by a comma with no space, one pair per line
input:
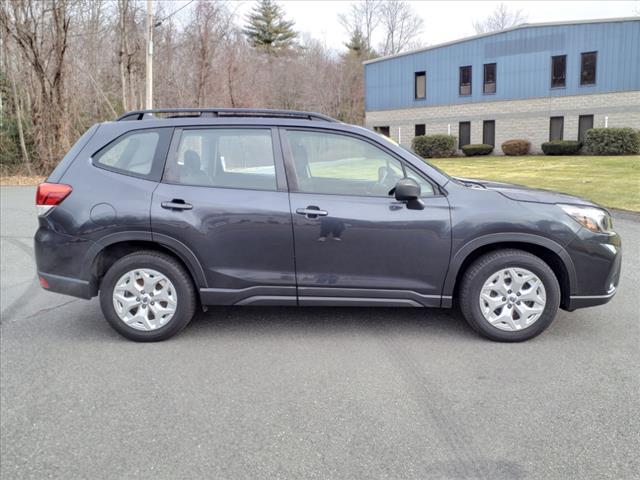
[443,20]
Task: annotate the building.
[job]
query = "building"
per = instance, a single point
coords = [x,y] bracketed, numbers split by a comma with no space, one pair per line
[537,82]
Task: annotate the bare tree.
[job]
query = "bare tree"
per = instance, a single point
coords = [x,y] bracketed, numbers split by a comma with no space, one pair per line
[401,26]
[363,17]
[500,19]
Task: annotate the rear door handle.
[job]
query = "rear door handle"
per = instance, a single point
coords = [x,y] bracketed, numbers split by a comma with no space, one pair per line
[176,204]
[312,212]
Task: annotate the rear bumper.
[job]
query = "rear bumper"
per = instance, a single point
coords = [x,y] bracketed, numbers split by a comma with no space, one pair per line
[67,286]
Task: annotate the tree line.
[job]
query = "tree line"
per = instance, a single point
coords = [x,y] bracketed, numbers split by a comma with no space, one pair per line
[67,64]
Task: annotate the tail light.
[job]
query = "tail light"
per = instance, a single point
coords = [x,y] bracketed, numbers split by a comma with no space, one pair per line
[48,195]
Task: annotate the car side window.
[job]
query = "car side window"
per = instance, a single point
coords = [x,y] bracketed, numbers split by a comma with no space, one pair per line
[224,157]
[330,163]
[133,152]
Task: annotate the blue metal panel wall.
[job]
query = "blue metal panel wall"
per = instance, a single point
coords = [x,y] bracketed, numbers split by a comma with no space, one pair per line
[523,60]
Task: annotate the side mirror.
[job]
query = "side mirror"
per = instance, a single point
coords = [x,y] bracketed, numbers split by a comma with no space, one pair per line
[407,190]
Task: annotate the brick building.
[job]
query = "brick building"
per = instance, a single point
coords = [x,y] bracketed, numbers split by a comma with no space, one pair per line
[538,82]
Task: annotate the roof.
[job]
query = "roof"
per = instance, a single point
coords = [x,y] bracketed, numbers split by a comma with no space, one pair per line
[511,29]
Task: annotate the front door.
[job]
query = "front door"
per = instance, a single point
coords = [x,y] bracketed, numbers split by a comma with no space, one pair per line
[223,197]
[354,243]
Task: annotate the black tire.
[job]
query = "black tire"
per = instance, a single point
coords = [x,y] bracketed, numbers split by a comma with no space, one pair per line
[164,264]
[485,266]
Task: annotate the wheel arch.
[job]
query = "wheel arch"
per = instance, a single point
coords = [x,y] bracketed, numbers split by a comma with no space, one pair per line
[109,249]
[552,253]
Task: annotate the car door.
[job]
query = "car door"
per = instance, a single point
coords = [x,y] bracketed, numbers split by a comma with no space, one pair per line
[354,243]
[223,197]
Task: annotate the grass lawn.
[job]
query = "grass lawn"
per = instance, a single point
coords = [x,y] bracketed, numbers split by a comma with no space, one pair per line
[610,181]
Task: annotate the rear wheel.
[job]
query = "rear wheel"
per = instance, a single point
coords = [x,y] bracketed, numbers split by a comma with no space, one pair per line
[147,296]
[509,295]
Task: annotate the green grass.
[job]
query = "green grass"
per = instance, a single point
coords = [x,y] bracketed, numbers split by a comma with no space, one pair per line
[610,181]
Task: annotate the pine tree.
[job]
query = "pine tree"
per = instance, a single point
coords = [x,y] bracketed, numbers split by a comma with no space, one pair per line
[357,46]
[268,29]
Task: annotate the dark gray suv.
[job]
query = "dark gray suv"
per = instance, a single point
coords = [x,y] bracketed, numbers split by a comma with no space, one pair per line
[165,211]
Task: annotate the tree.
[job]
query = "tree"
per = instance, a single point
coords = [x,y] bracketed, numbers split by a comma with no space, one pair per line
[401,26]
[268,29]
[500,19]
[357,46]
[362,17]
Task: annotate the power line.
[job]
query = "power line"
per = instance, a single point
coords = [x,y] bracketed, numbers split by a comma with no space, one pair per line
[157,24]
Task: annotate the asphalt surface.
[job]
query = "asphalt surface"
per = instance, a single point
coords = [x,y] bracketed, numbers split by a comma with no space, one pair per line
[333,393]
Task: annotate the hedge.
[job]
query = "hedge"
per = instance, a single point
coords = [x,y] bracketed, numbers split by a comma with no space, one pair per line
[561,147]
[516,147]
[434,146]
[474,149]
[612,141]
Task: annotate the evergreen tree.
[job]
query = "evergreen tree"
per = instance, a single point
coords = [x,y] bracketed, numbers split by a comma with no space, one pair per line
[357,45]
[268,29]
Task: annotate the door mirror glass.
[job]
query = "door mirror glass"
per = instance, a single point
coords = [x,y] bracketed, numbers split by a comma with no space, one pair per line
[408,190]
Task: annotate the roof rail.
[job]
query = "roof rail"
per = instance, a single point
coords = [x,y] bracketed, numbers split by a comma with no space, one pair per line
[223,112]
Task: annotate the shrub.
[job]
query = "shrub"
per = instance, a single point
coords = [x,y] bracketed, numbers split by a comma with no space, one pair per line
[561,147]
[516,147]
[434,146]
[474,149]
[612,141]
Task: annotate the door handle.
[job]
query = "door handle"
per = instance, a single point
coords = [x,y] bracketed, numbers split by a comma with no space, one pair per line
[312,212]
[176,204]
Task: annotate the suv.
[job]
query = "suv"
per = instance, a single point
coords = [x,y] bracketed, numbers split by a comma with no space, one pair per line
[163,211]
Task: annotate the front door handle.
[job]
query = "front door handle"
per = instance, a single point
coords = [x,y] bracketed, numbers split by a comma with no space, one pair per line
[176,204]
[312,212]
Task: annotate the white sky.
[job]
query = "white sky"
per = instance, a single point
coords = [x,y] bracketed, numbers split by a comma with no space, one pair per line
[443,20]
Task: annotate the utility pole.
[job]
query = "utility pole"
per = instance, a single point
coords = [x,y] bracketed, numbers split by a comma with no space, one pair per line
[149,62]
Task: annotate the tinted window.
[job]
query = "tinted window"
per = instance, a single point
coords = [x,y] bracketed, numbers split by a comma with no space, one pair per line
[342,165]
[464,134]
[132,153]
[224,157]
[489,78]
[558,71]
[419,129]
[556,128]
[383,130]
[489,132]
[585,122]
[588,68]
[420,88]
[465,80]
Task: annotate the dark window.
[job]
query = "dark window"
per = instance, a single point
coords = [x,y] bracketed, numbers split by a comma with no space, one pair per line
[558,71]
[489,132]
[588,68]
[132,153]
[336,164]
[224,157]
[383,130]
[419,129]
[420,86]
[464,134]
[585,122]
[556,128]
[489,78]
[465,80]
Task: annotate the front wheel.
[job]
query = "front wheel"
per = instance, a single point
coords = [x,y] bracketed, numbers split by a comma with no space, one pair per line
[147,296]
[509,295]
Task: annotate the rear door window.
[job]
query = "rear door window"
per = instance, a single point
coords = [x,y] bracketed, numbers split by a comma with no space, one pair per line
[132,153]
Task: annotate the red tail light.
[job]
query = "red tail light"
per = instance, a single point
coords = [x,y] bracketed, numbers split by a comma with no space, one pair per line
[49,195]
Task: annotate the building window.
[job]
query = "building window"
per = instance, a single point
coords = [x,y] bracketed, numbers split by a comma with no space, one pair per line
[383,130]
[419,129]
[558,71]
[420,86]
[489,78]
[465,80]
[588,68]
[489,132]
[556,128]
[585,122]
[464,134]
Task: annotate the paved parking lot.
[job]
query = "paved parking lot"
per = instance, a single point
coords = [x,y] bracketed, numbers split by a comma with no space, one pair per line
[314,393]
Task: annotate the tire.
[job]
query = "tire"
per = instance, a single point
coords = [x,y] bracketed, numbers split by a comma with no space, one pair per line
[491,273]
[159,273]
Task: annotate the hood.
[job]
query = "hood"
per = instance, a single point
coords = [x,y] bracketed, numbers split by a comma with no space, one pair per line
[521,193]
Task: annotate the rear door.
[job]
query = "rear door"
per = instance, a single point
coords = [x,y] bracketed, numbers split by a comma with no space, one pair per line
[223,197]
[354,243]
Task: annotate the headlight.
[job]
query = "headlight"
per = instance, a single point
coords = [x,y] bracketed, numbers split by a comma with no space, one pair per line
[592,218]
